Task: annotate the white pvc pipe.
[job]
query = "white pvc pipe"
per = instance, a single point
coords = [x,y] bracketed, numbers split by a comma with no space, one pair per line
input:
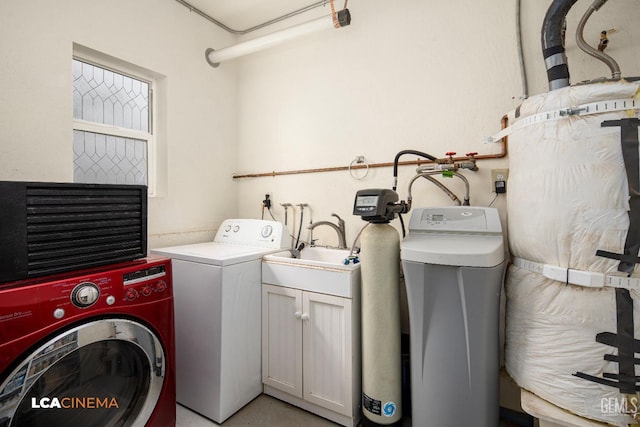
[214,57]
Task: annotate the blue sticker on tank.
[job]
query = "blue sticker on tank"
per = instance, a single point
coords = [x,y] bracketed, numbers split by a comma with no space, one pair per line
[389,409]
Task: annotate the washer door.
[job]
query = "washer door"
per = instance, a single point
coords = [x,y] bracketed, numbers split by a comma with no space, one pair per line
[104,373]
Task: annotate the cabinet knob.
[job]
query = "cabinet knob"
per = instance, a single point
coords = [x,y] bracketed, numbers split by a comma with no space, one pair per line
[305,316]
[297,315]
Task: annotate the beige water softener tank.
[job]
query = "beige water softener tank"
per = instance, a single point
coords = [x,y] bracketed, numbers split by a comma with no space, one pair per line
[380,270]
[381,355]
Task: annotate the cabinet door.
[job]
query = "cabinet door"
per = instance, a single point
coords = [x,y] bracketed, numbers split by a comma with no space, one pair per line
[327,352]
[282,339]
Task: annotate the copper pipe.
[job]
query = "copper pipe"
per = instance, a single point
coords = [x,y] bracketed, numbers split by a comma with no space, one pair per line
[503,152]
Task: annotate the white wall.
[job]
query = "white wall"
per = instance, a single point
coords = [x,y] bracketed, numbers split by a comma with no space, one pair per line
[429,76]
[196,114]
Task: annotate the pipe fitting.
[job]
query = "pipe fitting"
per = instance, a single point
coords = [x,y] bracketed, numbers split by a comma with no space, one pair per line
[596,53]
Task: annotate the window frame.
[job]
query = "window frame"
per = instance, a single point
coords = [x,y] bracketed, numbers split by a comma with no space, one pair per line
[111,64]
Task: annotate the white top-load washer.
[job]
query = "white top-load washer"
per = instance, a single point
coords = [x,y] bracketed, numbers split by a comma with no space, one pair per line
[217,298]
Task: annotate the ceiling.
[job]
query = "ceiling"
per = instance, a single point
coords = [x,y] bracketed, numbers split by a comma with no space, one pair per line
[243,14]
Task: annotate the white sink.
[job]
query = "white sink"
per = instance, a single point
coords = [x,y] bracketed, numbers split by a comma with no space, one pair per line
[316,256]
[318,269]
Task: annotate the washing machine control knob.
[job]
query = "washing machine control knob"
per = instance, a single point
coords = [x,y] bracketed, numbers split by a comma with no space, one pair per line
[85,295]
[266,231]
[58,313]
[111,300]
[131,294]
[161,286]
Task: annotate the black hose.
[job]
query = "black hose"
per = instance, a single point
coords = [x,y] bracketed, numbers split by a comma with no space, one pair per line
[404,231]
[300,228]
[395,163]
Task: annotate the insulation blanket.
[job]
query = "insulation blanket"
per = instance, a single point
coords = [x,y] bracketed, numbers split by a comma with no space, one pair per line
[551,333]
[568,196]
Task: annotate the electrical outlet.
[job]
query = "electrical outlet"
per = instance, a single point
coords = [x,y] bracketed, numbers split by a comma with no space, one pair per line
[499,175]
[499,180]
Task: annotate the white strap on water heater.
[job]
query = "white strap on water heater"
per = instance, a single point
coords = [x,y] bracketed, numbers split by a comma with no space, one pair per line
[591,279]
[582,110]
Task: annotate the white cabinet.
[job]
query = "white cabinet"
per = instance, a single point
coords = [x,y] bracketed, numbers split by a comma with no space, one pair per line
[310,351]
[282,339]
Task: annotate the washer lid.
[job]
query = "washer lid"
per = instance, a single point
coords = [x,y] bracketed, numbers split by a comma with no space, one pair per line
[214,253]
[457,236]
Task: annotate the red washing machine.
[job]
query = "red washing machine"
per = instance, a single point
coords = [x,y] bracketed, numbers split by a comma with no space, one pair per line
[91,349]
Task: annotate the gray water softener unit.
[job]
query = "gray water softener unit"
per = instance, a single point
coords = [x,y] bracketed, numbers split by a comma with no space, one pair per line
[453,261]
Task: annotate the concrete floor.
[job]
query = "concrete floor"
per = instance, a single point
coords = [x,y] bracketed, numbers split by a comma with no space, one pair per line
[265,411]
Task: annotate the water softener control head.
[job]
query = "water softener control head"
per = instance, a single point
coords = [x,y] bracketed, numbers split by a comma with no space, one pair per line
[376,205]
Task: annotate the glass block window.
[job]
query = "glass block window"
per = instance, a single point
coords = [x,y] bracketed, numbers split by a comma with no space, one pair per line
[112,126]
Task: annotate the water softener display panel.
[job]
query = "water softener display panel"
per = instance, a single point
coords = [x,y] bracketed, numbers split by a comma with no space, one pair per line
[375,205]
[455,219]
[455,236]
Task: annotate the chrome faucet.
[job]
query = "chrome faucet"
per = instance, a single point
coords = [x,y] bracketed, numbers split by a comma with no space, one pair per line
[340,229]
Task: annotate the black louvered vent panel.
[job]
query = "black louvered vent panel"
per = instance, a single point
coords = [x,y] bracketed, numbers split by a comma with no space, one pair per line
[74,226]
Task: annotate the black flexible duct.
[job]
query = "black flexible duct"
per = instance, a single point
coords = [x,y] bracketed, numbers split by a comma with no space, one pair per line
[553,43]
